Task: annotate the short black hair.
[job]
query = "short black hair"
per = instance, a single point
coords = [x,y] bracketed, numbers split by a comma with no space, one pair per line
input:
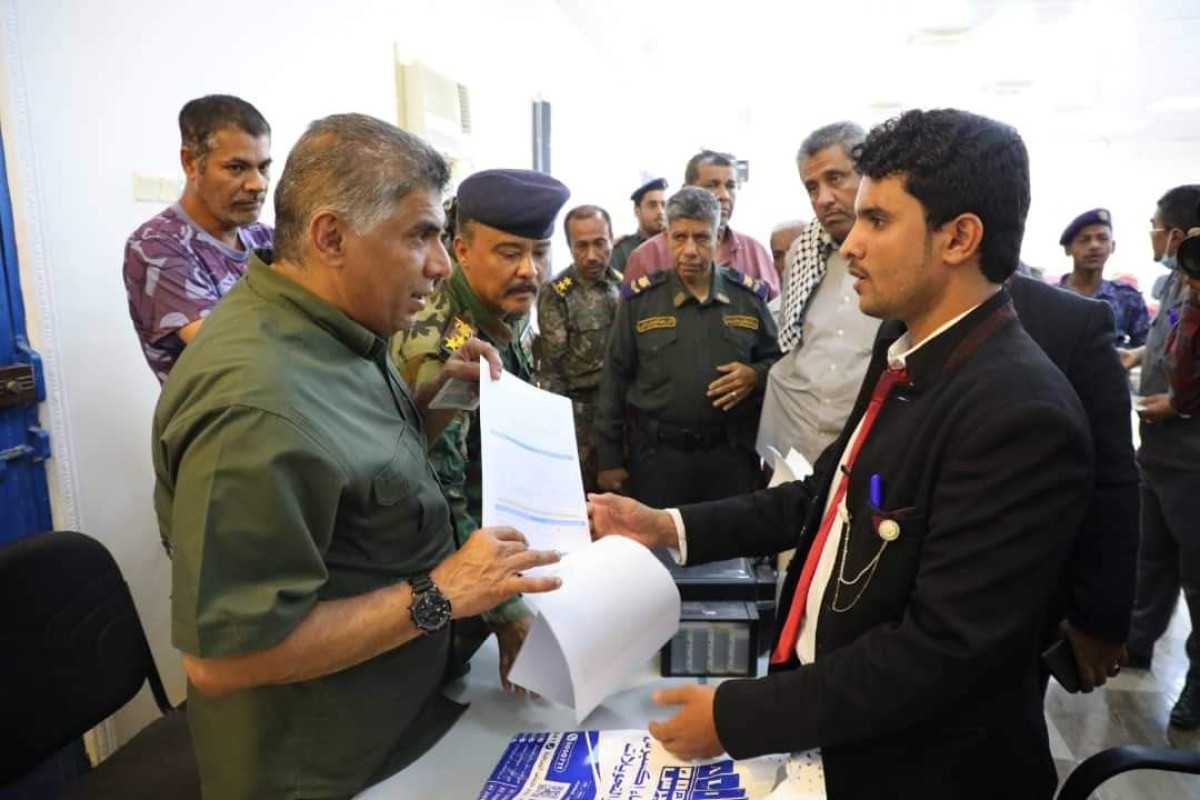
[955,162]
[1180,207]
[584,212]
[199,119]
[691,173]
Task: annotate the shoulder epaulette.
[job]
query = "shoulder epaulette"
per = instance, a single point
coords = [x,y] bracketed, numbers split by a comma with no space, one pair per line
[563,285]
[455,336]
[635,287]
[617,274]
[750,284]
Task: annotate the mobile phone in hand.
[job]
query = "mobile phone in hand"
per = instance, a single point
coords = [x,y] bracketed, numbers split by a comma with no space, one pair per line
[1059,659]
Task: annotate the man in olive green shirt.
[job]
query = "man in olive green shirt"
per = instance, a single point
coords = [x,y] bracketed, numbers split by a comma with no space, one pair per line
[575,314]
[687,359]
[502,247]
[314,571]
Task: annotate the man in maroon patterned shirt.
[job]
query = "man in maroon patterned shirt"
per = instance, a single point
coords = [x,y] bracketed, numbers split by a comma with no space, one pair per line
[1183,342]
[179,263]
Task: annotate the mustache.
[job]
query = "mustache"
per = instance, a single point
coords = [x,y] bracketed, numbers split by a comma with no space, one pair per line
[520,288]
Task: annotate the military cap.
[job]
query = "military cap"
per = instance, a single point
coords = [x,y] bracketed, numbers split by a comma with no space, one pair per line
[1097,216]
[656,185]
[517,201]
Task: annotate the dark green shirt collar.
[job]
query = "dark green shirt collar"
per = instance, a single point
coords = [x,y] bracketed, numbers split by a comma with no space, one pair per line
[275,287]
[717,289]
[500,331]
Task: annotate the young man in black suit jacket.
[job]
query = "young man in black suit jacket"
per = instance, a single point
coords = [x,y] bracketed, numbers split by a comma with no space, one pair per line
[933,531]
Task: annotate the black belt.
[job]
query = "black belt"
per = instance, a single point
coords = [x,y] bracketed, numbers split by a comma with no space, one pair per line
[704,437]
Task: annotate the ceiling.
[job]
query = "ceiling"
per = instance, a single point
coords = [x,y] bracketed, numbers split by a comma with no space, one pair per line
[1075,70]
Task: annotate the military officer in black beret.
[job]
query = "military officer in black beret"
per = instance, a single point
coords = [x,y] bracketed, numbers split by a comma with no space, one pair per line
[505,218]
[649,206]
[1088,240]
[687,361]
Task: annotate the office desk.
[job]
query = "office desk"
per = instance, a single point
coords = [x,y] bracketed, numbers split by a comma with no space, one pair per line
[457,767]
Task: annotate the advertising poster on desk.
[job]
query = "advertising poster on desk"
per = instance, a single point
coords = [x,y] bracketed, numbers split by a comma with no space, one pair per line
[622,765]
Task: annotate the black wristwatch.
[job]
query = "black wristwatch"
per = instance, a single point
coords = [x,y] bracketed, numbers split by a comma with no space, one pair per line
[430,609]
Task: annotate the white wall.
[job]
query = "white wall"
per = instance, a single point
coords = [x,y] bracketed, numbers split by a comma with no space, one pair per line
[89,93]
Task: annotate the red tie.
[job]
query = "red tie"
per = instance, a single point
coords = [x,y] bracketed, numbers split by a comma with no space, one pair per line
[786,644]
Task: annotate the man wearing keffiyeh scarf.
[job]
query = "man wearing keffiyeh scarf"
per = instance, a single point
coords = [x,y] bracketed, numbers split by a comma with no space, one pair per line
[809,396]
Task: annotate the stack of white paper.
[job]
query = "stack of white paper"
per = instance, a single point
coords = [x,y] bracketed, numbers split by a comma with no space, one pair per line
[618,604]
[617,607]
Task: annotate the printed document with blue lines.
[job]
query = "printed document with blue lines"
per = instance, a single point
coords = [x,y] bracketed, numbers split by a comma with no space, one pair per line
[531,477]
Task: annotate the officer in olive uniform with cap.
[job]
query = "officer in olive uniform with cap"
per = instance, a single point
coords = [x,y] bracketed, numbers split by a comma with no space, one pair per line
[688,356]
[505,218]
[649,206]
[1088,240]
[575,314]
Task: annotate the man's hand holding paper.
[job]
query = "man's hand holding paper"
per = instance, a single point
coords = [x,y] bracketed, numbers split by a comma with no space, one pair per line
[614,515]
[487,569]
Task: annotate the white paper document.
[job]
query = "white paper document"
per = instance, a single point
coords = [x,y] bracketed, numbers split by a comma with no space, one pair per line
[794,467]
[531,478]
[617,607]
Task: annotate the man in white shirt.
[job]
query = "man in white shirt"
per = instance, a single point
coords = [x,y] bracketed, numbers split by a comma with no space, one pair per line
[825,338]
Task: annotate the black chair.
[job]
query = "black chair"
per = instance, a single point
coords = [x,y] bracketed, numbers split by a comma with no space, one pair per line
[73,653]
[1096,769]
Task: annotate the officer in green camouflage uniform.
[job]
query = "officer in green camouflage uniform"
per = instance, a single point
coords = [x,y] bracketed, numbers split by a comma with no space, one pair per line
[575,313]
[504,222]
[648,204]
[686,364]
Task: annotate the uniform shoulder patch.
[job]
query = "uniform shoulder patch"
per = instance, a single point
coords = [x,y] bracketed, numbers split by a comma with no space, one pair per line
[656,323]
[747,321]
[563,285]
[635,287]
[750,284]
[454,336]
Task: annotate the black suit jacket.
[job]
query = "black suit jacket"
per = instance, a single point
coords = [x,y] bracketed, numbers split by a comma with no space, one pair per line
[928,685]
[1079,336]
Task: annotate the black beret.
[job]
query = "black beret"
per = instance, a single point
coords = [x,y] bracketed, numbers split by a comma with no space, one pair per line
[1097,216]
[517,201]
[656,185]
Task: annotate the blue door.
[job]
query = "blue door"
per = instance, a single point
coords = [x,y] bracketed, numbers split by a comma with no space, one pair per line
[24,446]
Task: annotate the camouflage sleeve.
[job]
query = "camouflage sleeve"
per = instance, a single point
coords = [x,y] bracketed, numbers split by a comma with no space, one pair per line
[510,610]
[620,363]
[417,357]
[415,350]
[448,455]
[552,341]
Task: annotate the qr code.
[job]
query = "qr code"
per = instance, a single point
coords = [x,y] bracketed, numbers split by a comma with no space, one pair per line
[550,790]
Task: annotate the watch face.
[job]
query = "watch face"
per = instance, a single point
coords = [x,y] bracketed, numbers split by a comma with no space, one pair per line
[431,611]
